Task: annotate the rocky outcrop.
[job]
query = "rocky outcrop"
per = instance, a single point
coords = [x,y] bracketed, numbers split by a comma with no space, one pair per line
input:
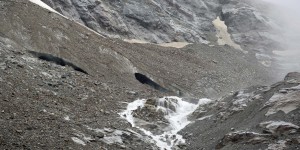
[168,21]
[258,117]
[153,21]
[250,26]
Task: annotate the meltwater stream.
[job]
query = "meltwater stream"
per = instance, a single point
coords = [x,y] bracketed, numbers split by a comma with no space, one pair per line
[174,111]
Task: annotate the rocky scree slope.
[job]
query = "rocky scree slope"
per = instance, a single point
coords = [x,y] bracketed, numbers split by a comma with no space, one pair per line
[63,85]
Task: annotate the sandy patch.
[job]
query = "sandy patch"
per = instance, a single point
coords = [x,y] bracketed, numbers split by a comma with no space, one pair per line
[172,44]
[223,35]
[135,41]
[175,44]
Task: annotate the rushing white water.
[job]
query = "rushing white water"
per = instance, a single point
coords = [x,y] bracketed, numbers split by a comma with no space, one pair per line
[176,113]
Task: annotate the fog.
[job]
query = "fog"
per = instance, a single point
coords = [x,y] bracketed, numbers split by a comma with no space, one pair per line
[286,14]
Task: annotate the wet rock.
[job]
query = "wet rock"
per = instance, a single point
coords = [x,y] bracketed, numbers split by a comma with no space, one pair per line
[283,91]
[242,137]
[108,130]
[166,103]
[132,92]
[279,145]
[98,135]
[19,131]
[293,77]
[296,140]
[284,102]
[279,127]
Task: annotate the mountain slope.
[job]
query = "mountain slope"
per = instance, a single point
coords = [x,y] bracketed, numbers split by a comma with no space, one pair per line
[62,85]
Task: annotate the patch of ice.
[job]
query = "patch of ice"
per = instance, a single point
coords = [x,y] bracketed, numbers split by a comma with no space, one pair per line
[178,119]
[78,141]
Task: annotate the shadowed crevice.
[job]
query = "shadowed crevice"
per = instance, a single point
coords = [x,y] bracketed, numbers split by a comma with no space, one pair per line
[145,80]
[56,60]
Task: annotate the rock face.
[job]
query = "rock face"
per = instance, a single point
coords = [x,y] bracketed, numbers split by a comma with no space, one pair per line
[250,26]
[153,21]
[173,20]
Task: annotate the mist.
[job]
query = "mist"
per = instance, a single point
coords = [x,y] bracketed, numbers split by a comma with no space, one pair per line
[286,14]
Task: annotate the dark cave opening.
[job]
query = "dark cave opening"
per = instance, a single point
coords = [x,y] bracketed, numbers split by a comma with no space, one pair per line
[145,80]
[56,60]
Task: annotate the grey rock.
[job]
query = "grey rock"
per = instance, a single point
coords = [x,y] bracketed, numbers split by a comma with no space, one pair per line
[175,20]
[154,21]
[98,135]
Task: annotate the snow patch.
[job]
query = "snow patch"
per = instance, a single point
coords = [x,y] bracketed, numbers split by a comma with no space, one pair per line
[42,4]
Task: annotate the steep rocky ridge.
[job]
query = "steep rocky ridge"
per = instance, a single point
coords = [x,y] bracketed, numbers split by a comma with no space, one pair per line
[153,21]
[176,20]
